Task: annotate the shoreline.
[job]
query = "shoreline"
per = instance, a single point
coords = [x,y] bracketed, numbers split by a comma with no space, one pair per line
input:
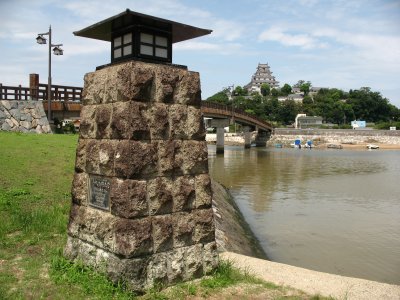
[232,232]
[314,282]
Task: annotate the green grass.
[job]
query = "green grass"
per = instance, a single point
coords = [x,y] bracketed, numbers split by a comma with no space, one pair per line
[35,184]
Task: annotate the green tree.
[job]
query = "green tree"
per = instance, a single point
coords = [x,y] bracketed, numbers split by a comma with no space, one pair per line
[220,97]
[239,91]
[299,83]
[265,89]
[274,92]
[369,106]
[286,89]
[305,88]
[288,111]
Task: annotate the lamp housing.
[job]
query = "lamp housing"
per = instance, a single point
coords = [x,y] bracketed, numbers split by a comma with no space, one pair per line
[41,40]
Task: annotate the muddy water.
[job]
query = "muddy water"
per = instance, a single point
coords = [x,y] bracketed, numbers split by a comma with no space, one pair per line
[333,211]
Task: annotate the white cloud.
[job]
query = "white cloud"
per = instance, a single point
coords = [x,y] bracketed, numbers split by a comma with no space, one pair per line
[215,48]
[304,41]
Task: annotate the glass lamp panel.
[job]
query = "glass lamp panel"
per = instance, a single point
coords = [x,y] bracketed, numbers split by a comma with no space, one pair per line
[161,41]
[128,38]
[161,52]
[146,38]
[146,50]
[127,50]
[117,53]
[117,41]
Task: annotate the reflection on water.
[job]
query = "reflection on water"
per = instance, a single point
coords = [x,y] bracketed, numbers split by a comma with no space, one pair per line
[334,211]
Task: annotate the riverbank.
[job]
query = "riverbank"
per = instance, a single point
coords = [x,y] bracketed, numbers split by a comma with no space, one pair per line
[320,140]
[232,232]
[313,282]
[348,139]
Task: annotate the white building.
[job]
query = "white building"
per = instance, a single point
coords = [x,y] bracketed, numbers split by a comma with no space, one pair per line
[262,75]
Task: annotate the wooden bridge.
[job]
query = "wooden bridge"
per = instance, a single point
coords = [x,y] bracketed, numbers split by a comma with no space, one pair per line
[214,110]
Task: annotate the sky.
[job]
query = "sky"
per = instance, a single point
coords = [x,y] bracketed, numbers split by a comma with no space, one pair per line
[343,44]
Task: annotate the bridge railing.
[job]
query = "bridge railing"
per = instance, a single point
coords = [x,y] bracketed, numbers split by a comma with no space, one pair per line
[14,92]
[58,93]
[232,111]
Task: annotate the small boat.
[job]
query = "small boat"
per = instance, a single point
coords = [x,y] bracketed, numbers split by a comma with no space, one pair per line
[372,146]
[278,145]
[334,146]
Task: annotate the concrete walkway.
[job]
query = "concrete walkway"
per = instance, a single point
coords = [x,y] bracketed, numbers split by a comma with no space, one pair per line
[313,282]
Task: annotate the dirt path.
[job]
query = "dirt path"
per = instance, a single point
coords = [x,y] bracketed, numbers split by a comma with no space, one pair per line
[313,282]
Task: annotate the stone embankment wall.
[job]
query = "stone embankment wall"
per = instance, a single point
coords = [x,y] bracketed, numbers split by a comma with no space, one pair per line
[23,116]
[142,200]
[232,232]
[320,136]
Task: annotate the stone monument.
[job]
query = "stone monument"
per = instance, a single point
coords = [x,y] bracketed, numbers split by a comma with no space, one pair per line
[141,197]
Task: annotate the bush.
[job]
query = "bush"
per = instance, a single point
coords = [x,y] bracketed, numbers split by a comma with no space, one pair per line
[387,125]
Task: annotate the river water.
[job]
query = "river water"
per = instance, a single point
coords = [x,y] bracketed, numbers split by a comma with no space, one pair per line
[335,211]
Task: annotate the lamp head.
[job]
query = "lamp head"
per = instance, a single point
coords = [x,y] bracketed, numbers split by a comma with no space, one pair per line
[41,40]
[57,50]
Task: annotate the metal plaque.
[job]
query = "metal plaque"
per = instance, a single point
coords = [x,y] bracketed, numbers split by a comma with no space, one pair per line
[99,192]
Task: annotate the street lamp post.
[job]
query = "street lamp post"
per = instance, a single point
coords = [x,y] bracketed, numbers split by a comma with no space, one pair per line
[57,51]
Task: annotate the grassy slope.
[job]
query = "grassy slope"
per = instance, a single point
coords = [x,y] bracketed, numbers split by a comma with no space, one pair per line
[35,182]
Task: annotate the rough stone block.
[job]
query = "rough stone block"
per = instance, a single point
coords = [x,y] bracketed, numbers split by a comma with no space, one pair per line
[177,121]
[87,129]
[80,189]
[122,166]
[101,158]
[132,271]
[204,231]
[91,225]
[194,262]
[176,265]
[188,91]
[132,238]
[192,157]
[157,118]
[195,129]
[184,193]
[81,152]
[160,195]
[203,191]
[103,120]
[183,229]
[210,257]
[94,87]
[128,198]
[166,81]
[162,233]
[129,121]
[157,272]
[135,159]
[166,157]
[134,81]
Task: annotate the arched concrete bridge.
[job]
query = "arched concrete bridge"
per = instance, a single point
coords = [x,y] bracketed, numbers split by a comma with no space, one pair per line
[223,115]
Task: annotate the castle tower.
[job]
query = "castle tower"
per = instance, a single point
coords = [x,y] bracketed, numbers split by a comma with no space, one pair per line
[262,75]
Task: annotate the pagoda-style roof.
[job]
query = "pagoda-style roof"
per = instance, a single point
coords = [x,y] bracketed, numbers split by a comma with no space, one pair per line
[103,29]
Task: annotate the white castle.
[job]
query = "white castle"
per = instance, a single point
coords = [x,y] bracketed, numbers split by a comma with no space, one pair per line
[262,75]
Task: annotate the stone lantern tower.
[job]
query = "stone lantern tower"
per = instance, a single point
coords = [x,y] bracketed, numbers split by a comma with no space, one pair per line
[141,198]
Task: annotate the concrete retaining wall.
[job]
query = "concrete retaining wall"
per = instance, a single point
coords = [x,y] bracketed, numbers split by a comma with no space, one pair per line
[319,136]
